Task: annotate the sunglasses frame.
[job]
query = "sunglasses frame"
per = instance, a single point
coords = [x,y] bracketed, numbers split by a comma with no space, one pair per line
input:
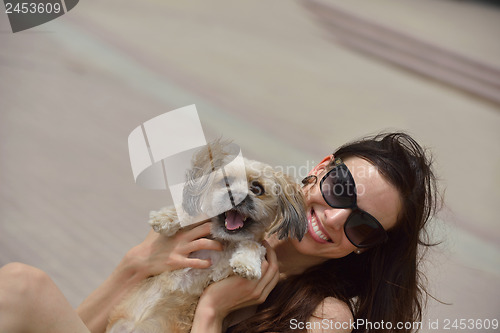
[339,165]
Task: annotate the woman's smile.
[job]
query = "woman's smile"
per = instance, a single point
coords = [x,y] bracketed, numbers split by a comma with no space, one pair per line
[316,229]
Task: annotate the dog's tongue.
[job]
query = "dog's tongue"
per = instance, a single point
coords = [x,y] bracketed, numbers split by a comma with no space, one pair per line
[233,220]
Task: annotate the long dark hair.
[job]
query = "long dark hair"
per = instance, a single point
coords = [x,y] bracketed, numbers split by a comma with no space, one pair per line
[383,283]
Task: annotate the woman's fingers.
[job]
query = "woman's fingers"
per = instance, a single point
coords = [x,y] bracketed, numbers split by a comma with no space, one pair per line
[270,264]
[236,292]
[270,254]
[269,287]
[187,242]
[197,232]
[197,263]
[270,276]
[193,240]
[203,244]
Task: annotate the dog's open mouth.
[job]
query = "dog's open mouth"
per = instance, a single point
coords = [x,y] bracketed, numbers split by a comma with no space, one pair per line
[234,220]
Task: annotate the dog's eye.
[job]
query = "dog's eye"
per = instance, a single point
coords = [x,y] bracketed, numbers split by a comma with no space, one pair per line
[257,188]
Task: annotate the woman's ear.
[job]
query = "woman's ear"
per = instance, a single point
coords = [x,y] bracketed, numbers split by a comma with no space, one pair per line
[321,166]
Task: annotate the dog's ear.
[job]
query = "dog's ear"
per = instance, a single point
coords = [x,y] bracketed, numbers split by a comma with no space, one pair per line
[192,193]
[291,218]
[200,177]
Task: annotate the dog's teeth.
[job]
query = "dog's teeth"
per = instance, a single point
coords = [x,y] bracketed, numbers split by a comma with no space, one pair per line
[245,218]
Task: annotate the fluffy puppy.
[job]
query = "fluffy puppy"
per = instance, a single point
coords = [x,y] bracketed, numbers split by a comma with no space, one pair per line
[272,203]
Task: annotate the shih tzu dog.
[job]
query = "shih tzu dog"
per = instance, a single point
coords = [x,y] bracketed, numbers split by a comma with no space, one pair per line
[266,201]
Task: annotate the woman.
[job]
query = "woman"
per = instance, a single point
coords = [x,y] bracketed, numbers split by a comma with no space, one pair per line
[361,252]
[367,204]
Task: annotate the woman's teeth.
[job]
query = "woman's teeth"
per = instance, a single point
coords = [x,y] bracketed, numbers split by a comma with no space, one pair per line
[315,226]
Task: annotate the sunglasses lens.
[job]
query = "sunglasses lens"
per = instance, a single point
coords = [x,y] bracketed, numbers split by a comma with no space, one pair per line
[338,188]
[363,230]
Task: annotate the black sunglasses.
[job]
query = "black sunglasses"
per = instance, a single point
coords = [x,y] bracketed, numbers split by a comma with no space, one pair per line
[339,191]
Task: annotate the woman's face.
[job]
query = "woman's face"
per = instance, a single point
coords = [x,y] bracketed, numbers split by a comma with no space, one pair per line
[374,195]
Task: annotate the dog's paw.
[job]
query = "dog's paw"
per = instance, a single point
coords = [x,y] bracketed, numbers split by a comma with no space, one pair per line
[247,259]
[164,221]
[247,272]
[245,269]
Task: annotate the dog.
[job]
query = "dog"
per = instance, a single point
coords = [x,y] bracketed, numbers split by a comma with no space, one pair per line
[271,203]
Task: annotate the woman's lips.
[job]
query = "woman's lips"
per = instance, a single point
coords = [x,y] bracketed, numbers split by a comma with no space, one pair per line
[316,229]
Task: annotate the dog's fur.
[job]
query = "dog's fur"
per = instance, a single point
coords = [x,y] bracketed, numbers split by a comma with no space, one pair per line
[167,302]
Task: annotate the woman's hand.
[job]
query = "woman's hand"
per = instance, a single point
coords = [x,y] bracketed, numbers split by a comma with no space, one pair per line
[233,293]
[158,253]
[155,255]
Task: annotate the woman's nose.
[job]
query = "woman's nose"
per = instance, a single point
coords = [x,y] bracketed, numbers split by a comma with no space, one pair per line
[336,217]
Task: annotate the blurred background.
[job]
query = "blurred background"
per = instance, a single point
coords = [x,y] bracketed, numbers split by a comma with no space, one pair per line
[288,81]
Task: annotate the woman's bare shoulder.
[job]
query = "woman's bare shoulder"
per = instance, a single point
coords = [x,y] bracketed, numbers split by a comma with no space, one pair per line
[334,315]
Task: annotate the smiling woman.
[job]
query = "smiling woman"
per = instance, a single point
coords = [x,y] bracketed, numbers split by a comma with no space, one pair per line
[362,242]
[338,189]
